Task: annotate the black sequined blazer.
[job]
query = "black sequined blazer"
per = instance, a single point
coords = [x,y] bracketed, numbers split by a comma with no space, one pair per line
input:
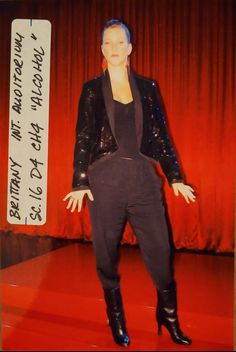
[95,128]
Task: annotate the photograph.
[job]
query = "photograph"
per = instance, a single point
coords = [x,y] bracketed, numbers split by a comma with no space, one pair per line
[117,197]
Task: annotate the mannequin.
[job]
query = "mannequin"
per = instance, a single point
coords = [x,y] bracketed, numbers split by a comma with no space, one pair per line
[120,132]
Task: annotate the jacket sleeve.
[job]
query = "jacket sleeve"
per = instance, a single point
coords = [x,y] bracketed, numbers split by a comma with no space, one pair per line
[166,152]
[84,138]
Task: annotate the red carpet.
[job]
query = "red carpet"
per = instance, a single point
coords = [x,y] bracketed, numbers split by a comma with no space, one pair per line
[55,302]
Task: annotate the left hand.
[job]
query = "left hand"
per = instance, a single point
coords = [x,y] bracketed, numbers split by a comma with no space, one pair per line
[185,190]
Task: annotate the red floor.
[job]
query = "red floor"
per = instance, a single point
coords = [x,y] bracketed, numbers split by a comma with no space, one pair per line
[55,302]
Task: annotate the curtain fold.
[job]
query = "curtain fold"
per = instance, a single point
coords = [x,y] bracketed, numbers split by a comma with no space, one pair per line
[188,47]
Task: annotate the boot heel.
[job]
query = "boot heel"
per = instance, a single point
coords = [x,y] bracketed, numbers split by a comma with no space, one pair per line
[166,314]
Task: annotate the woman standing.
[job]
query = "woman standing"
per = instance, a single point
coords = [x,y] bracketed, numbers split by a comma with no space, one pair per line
[120,132]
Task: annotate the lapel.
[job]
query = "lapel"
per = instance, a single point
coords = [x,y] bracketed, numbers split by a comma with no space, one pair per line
[109,103]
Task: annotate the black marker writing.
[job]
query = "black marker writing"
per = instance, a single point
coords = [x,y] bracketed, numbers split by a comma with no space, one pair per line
[16,130]
[35,136]
[33,36]
[35,194]
[28,140]
[35,172]
[18,42]
[36,213]
[18,64]
[37,78]
[38,59]
[14,188]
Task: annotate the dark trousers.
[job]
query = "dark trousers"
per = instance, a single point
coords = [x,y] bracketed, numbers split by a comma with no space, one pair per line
[129,190]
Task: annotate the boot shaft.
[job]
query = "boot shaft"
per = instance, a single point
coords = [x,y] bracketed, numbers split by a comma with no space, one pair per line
[116,316]
[113,299]
[167,298]
[166,314]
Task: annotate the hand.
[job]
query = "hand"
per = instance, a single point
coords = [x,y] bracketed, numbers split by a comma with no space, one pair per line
[185,190]
[76,199]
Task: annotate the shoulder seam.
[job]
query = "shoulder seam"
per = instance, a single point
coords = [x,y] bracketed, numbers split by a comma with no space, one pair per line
[92,80]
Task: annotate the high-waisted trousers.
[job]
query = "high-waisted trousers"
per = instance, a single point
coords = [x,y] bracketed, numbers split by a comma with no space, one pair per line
[129,190]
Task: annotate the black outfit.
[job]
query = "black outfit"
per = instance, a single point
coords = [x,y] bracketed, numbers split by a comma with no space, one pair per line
[95,129]
[115,145]
[138,200]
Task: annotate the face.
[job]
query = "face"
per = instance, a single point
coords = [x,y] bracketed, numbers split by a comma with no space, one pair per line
[115,46]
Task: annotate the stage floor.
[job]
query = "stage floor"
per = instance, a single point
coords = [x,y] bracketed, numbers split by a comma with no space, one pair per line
[55,302]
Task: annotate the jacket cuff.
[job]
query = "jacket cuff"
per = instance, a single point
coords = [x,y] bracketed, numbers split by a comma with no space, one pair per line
[176,181]
[80,188]
[175,177]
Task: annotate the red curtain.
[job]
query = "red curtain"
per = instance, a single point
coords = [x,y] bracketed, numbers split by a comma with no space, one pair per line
[188,46]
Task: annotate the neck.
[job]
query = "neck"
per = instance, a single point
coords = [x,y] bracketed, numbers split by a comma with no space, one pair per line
[118,74]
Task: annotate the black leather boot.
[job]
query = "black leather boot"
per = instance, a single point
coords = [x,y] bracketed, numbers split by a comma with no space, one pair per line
[166,314]
[116,316]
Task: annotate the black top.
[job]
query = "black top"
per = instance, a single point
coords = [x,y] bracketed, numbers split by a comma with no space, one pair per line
[125,129]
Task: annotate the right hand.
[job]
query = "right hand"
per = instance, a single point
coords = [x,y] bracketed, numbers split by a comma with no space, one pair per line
[76,199]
